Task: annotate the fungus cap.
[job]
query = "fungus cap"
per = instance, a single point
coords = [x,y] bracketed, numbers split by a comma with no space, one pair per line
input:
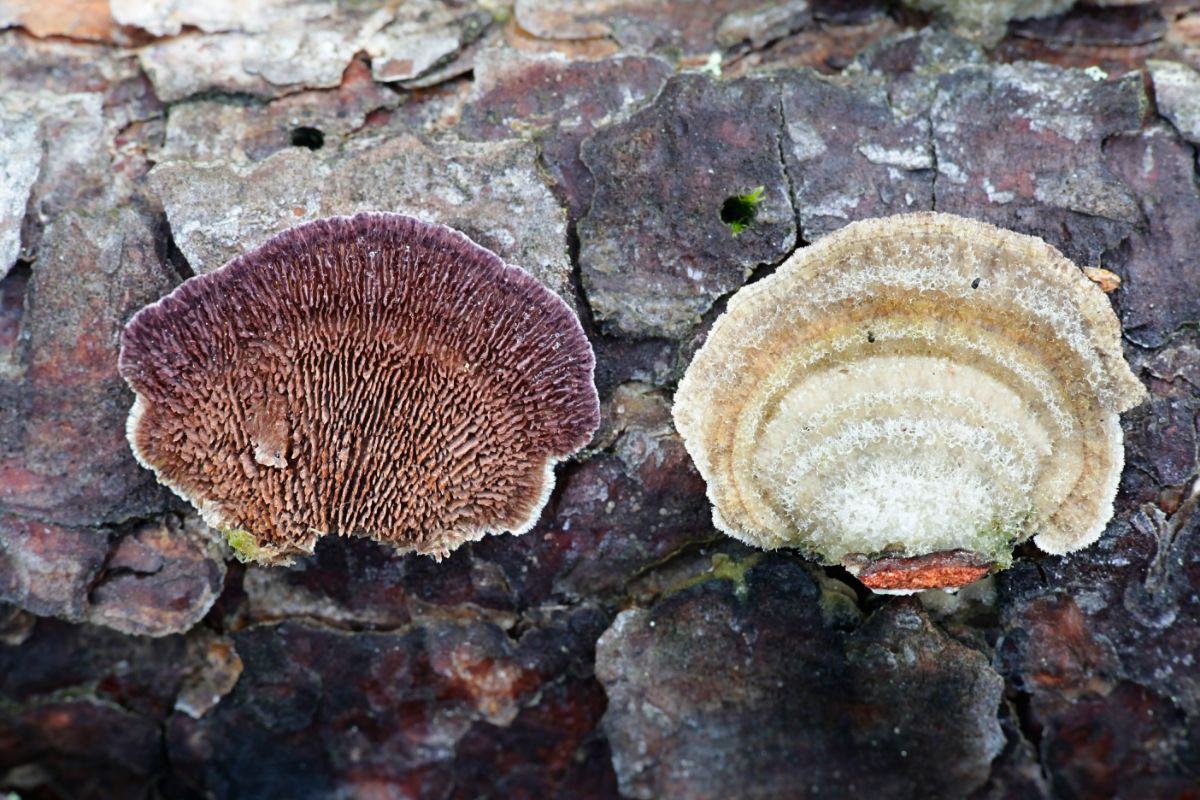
[372,375]
[910,397]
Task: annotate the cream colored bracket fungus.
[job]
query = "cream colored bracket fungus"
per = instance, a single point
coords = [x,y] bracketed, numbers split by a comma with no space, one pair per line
[911,397]
[371,376]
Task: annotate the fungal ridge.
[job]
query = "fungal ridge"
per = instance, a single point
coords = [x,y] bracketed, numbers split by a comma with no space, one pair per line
[375,376]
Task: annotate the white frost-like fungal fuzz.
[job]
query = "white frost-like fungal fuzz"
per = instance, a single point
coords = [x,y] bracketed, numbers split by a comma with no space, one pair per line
[911,396]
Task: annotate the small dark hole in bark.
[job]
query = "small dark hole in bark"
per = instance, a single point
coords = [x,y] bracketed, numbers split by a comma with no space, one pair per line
[738,212]
[312,138]
[174,257]
[12,304]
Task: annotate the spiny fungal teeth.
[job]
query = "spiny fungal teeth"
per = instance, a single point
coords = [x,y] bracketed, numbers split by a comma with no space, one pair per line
[372,376]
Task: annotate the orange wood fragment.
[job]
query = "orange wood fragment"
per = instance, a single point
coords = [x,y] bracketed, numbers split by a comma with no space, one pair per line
[76,19]
[948,569]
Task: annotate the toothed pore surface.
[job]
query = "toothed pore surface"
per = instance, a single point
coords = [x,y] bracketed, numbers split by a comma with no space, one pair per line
[374,376]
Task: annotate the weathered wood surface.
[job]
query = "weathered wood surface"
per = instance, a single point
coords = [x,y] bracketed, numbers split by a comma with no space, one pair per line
[622,646]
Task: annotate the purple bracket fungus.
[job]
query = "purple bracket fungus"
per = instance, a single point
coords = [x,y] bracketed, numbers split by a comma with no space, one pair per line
[910,397]
[373,376]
